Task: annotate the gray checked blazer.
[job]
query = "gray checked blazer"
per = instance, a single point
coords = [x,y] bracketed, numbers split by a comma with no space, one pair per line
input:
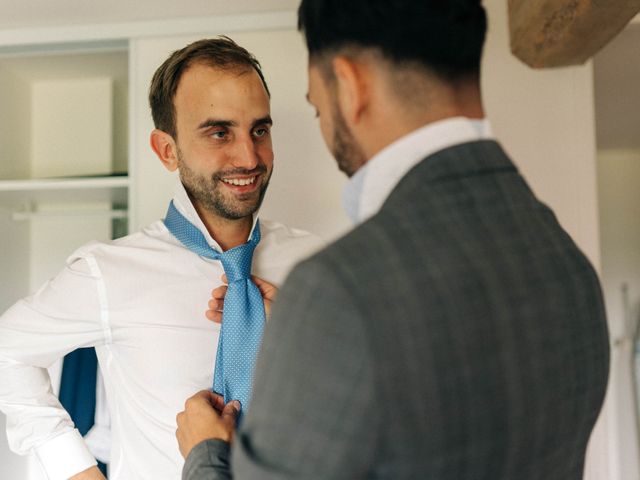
[459,334]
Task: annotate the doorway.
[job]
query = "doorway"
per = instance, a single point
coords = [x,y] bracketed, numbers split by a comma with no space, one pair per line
[617,104]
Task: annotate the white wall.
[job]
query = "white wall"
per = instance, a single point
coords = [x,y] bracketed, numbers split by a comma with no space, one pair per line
[14,124]
[120,123]
[545,119]
[619,189]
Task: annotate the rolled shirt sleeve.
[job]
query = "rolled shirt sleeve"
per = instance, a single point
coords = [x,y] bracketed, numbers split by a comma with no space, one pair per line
[68,312]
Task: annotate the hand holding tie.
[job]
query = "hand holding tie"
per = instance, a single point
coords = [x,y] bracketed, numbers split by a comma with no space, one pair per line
[216,304]
[206,417]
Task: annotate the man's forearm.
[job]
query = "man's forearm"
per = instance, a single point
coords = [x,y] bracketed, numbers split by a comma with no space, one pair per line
[92,473]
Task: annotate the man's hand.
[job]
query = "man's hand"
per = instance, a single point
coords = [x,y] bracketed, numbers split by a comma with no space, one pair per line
[92,473]
[205,417]
[216,304]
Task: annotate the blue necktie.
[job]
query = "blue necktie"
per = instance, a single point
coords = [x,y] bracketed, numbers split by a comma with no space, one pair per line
[243,316]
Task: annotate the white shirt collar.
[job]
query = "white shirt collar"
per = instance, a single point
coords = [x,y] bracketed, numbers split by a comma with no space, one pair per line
[183,203]
[370,186]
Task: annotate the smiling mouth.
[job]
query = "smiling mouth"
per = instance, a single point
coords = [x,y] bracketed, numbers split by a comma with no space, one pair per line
[240,182]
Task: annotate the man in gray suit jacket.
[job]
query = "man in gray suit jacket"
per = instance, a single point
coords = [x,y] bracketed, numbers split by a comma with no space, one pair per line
[457,333]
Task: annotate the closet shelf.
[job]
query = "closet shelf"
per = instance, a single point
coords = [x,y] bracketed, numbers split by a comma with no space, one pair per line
[62,190]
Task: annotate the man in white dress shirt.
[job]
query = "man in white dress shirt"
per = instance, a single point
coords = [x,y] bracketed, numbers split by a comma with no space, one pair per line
[140,300]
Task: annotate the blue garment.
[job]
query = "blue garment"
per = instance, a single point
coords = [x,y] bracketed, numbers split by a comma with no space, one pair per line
[78,390]
[243,315]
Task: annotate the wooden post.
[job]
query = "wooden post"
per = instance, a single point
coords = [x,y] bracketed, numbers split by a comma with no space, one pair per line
[556,33]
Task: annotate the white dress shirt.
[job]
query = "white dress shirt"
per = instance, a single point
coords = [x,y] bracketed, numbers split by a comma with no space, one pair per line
[140,301]
[370,186]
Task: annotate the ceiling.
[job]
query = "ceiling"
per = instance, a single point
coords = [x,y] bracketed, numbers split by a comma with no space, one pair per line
[617,91]
[36,13]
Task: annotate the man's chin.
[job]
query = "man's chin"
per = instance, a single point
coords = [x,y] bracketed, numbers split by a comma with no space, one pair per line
[236,206]
[237,212]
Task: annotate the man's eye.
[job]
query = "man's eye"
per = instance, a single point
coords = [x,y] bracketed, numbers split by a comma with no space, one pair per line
[261,132]
[219,134]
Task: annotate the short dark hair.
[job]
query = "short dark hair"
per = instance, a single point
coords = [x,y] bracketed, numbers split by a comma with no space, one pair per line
[221,52]
[444,36]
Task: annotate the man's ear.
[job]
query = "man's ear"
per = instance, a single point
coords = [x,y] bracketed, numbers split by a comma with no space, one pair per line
[352,87]
[165,148]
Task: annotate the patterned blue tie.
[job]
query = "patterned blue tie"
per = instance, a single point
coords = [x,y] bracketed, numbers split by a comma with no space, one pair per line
[243,316]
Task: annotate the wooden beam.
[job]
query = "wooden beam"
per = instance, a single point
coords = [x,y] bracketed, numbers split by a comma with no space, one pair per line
[556,33]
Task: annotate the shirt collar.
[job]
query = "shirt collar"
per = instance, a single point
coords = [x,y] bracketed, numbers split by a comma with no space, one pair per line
[369,187]
[184,205]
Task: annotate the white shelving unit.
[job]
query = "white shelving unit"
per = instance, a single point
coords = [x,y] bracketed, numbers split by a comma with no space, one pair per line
[63,132]
[64,162]
[64,190]
[25,195]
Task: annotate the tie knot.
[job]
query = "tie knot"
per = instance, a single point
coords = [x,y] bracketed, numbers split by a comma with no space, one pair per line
[237,262]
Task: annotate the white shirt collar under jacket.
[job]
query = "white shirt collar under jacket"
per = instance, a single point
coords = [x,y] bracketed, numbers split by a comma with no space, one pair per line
[370,186]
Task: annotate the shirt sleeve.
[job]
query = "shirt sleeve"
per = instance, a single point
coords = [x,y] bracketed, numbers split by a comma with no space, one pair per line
[64,314]
[313,413]
[98,438]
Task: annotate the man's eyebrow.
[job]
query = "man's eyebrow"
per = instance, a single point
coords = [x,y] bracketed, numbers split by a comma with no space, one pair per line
[262,121]
[307,97]
[213,122]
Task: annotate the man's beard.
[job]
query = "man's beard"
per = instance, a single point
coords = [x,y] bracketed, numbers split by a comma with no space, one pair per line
[345,148]
[208,192]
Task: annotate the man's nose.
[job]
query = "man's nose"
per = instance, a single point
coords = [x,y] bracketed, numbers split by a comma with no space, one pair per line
[245,155]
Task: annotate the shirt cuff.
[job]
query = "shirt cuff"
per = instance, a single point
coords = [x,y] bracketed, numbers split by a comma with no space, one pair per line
[64,456]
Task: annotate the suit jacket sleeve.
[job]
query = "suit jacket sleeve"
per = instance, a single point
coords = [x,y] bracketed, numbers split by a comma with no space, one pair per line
[208,460]
[312,413]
